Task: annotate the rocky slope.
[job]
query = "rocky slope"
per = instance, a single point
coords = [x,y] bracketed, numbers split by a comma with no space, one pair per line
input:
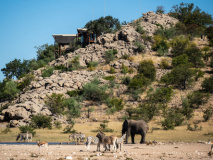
[32,100]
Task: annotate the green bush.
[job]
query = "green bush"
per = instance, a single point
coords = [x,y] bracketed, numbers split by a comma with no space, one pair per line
[55,103]
[94,91]
[139,29]
[47,72]
[147,68]
[103,127]
[29,129]
[186,109]
[112,70]
[126,80]
[74,108]
[139,81]
[41,121]
[163,48]
[197,98]
[74,64]
[60,67]
[69,128]
[140,47]
[110,78]
[209,33]
[208,113]
[92,64]
[164,64]
[125,56]
[207,84]
[57,124]
[181,59]
[116,103]
[73,93]
[124,69]
[110,55]
[178,45]
[180,76]
[6,131]
[25,82]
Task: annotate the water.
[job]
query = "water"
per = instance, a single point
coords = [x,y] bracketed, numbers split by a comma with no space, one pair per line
[35,143]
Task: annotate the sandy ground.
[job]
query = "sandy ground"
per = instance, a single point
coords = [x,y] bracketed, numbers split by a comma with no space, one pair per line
[130,151]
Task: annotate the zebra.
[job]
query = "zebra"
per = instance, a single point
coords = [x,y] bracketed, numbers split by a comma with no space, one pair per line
[25,136]
[78,136]
[120,141]
[91,139]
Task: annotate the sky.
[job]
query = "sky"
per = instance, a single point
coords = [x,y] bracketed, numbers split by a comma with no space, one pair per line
[25,24]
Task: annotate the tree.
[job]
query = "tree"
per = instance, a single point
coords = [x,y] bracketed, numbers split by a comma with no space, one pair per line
[180,76]
[207,84]
[160,10]
[188,14]
[41,121]
[55,103]
[209,33]
[74,108]
[147,68]
[106,24]
[45,52]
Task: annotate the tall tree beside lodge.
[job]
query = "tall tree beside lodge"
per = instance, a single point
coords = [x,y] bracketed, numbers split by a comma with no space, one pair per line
[106,24]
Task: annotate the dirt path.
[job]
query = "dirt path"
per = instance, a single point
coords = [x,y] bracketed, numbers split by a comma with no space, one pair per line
[130,151]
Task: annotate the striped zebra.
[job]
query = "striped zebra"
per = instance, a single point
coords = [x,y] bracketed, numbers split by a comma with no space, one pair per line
[77,136]
[25,136]
[91,139]
[120,141]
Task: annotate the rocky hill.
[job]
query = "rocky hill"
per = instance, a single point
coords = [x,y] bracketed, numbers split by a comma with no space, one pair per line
[31,102]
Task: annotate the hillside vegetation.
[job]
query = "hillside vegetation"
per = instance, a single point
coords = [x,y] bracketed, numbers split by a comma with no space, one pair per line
[157,68]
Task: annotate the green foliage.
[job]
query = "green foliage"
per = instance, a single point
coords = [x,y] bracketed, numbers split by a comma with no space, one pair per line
[209,33]
[195,127]
[197,98]
[69,128]
[160,10]
[165,33]
[103,127]
[172,118]
[147,68]
[110,78]
[160,95]
[139,81]
[186,109]
[112,70]
[57,124]
[8,90]
[45,52]
[164,64]
[139,29]
[188,14]
[178,45]
[126,80]
[94,91]
[26,81]
[55,103]
[114,104]
[29,129]
[92,64]
[125,56]
[124,69]
[73,93]
[106,24]
[74,64]
[208,114]
[140,47]
[110,55]
[41,121]
[181,59]
[60,67]
[207,84]
[74,108]
[180,76]
[47,72]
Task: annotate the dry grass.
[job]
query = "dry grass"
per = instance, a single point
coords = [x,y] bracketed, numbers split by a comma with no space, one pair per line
[176,135]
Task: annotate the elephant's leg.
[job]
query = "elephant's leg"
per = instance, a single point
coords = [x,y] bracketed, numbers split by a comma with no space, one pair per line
[133,137]
[143,135]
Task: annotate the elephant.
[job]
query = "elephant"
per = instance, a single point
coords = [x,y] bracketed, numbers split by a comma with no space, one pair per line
[132,127]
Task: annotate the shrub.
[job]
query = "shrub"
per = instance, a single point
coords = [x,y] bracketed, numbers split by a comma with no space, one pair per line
[186,109]
[197,98]
[125,56]
[209,33]
[110,78]
[124,69]
[164,64]
[58,124]
[55,103]
[47,72]
[25,82]
[207,84]
[6,131]
[126,80]
[181,59]
[74,108]
[92,64]
[180,76]
[208,113]
[112,70]
[139,81]
[178,44]
[69,128]
[147,68]
[73,93]
[139,29]
[110,55]
[103,127]
[29,129]
[94,91]
[160,10]
[74,64]
[60,67]
[41,121]
[116,103]
[140,47]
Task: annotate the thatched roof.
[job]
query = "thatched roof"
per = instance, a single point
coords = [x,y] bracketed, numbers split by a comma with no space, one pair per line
[64,38]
